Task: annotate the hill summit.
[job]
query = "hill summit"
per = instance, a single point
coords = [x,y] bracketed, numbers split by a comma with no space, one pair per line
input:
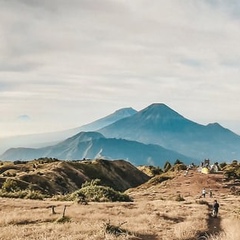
[159,111]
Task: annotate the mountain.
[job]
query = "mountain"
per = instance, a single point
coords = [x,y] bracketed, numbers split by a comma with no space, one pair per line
[159,124]
[151,136]
[46,139]
[91,145]
[105,121]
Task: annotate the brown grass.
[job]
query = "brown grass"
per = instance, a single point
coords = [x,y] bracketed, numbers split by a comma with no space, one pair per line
[32,219]
[231,231]
[154,214]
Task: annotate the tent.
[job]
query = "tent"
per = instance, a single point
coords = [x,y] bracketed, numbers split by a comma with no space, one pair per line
[205,170]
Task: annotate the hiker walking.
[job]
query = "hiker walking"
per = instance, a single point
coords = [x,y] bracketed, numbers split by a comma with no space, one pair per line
[210,193]
[215,208]
[204,192]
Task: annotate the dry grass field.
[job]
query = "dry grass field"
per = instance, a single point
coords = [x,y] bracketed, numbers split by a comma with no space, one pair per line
[157,213]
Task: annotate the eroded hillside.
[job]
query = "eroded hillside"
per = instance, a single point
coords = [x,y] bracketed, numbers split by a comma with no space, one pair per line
[52,176]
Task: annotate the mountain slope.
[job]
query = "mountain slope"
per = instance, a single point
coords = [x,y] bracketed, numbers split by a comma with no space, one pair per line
[46,139]
[159,124]
[92,145]
[105,121]
[52,176]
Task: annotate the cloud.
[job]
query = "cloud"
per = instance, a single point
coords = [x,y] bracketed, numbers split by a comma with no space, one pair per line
[59,56]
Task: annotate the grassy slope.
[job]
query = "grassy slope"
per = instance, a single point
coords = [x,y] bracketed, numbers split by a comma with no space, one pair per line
[154,214]
[58,177]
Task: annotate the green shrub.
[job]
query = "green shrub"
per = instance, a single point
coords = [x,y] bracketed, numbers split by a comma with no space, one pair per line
[167,166]
[232,170]
[19,162]
[93,182]
[237,171]
[178,167]
[159,179]
[34,195]
[26,194]
[156,171]
[44,160]
[67,197]
[10,185]
[98,193]
[179,198]
[178,162]
[223,165]
[234,163]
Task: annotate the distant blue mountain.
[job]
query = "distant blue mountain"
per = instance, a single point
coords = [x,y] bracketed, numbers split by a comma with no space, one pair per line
[153,135]
[159,124]
[50,138]
[105,121]
[91,145]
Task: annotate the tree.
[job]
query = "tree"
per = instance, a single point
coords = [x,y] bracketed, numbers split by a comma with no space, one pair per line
[167,166]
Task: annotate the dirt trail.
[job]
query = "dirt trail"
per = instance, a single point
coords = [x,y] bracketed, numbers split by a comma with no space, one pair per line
[214,225]
[190,187]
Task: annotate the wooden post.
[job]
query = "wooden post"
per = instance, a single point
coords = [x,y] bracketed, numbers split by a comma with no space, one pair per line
[53,210]
[64,209]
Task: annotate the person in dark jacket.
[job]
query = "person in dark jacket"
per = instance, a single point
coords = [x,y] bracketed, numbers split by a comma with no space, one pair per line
[215,208]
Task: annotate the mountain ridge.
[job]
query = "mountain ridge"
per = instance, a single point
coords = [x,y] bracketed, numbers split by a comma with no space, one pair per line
[51,138]
[156,125]
[84,146]
[173,131]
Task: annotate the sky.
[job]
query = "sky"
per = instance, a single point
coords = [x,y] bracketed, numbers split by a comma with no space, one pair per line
[64,64]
